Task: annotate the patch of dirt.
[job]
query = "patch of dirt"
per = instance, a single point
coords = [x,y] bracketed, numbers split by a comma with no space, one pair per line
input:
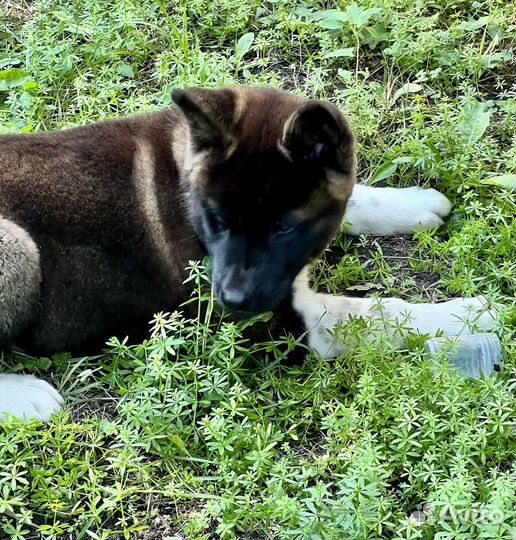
[498,82]
[292,74]
[398,253]
[99,403]
[18,10]
[163,526]
[254,535]
[160,528]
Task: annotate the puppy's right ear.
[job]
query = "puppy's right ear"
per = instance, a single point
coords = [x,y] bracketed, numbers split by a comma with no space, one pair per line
[209,114]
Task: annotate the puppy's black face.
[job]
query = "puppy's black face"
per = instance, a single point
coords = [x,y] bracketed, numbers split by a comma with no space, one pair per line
[270,199]
[259,230]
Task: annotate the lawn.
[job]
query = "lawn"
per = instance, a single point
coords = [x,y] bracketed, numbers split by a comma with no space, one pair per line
[198,434]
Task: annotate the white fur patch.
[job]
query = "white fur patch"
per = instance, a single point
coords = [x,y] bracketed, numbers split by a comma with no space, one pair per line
[27,398]
[387,211]
[322,312]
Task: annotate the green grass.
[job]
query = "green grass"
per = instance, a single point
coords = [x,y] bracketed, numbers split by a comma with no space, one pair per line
[190,426]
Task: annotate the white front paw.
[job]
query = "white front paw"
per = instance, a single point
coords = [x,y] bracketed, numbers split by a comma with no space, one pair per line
[27,398]
[388,211]
[425,208]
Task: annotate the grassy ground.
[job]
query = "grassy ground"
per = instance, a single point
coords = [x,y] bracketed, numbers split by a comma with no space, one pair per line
[186,436]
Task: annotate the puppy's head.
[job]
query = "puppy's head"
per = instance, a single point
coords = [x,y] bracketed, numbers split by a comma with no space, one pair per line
[267,176]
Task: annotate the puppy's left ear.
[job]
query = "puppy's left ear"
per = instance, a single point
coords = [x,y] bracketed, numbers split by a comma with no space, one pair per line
[209,114]
[318,133]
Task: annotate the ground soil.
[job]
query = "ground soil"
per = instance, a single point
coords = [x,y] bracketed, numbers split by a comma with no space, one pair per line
[398,252]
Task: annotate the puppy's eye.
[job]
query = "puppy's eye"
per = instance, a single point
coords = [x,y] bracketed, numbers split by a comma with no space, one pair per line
[216,223]
[284,226]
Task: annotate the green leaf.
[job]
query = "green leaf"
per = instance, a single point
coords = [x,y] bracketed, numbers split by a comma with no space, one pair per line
[505,180]
[474,122]
[349,91]
[384,171]
[358,16]
[264,317]
[345,74]
[179,443]
[244,44]
[331,25]
[373,35]
[303,12]
[30,85]
[473,24]
[497,58]
[340,53]
[329,14]
[354,15]
[66,64]
[10,78]
[408,88]
[403,159]
[125,70]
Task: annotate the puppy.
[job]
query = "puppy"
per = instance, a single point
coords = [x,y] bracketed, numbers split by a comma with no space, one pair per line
[98,223]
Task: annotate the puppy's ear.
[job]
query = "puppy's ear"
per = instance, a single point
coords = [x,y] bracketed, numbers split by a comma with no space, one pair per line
[318,133]
[209,114]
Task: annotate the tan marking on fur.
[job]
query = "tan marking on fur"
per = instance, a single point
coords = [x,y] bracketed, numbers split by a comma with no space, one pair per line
[20,278]
[283,150]
[240,105]
[241,100]
[318,200]
[231,149]
[181,146]
[340,185]
[143,178]
[190,165]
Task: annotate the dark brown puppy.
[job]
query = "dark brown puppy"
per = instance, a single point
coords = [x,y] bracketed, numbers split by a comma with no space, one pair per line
[98,223]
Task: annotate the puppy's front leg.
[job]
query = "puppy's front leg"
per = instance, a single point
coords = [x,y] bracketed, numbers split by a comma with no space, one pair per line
[321,313]
[388,211]
[27,398]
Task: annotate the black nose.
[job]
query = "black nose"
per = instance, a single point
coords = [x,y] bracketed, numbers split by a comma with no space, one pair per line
[235,299]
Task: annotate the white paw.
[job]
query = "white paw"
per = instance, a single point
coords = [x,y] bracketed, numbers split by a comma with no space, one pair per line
[459,316]
[27,398]
[475,312]
[387,211]
[426,208]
